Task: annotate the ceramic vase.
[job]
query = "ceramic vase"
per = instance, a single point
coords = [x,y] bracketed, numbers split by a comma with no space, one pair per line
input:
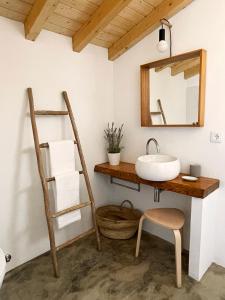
[114,159]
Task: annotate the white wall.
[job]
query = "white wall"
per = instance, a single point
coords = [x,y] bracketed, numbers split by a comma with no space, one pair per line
[197,26]
[49,66]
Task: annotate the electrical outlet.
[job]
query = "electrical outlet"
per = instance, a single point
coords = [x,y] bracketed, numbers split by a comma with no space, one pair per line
[215,137]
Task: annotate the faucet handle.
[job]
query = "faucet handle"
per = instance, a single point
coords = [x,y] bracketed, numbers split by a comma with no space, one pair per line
[8,257]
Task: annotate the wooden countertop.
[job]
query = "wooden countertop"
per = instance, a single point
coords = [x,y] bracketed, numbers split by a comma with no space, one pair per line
[126,171]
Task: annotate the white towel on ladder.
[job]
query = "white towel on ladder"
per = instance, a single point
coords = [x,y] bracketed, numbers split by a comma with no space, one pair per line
[62,157]
[66,194]
[66,187]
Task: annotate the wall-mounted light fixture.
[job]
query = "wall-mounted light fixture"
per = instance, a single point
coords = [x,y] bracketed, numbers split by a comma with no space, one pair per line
[163,45]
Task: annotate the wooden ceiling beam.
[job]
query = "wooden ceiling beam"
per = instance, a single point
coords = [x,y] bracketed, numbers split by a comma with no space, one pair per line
[184,65]
[161,68]
[37,17]
[101,17]
[192,72]
[165,9]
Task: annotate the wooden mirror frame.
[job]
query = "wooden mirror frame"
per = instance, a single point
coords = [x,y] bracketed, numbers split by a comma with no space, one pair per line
[145,88]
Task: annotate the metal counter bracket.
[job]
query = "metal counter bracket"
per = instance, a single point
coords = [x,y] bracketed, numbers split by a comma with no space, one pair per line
[138,188]
[157,193]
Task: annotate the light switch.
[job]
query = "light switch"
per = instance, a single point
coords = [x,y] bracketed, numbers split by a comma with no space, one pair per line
[215,137]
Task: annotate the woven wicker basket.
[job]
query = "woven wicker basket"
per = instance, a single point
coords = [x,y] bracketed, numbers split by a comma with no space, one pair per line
[118,222]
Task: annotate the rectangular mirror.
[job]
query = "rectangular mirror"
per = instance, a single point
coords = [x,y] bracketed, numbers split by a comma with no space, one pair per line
[173,91]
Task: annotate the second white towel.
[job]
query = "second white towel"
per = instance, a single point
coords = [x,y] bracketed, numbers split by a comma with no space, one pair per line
[66,194]
[66,185]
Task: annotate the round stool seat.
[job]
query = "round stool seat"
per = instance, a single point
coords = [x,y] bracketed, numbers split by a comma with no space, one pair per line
[170,218]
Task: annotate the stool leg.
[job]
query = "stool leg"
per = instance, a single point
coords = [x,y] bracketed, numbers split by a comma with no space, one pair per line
[177,236]
[182,239]
[139,235]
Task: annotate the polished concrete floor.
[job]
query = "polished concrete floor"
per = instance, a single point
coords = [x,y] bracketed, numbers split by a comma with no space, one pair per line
[114,273]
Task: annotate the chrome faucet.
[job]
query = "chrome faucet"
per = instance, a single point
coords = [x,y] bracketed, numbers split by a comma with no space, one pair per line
[156,145]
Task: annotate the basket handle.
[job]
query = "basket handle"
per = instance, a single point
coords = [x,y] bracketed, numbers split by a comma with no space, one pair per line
[128,201]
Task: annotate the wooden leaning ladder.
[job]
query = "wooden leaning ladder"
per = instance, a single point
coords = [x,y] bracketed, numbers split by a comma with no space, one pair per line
[45,180]
[160,112]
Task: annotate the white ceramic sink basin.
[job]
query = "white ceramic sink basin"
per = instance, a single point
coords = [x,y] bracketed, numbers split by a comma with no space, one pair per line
[158,167]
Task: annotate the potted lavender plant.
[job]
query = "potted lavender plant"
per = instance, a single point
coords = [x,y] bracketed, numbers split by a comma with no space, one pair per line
[113,136]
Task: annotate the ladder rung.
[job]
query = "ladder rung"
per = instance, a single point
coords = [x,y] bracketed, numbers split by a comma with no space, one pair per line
[48,179]
[46,145]
[70,209]
[156,113]
[88,232]
[51,112]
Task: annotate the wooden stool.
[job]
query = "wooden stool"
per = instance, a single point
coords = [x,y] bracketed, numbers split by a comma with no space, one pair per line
[170,218]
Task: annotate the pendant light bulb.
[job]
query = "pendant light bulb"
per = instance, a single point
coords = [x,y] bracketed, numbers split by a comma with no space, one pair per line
[162,45]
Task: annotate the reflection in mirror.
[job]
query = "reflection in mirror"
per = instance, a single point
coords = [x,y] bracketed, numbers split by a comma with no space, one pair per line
[174,92]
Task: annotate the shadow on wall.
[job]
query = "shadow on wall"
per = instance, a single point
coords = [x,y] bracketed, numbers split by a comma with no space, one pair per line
[144,200]
[26,207]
